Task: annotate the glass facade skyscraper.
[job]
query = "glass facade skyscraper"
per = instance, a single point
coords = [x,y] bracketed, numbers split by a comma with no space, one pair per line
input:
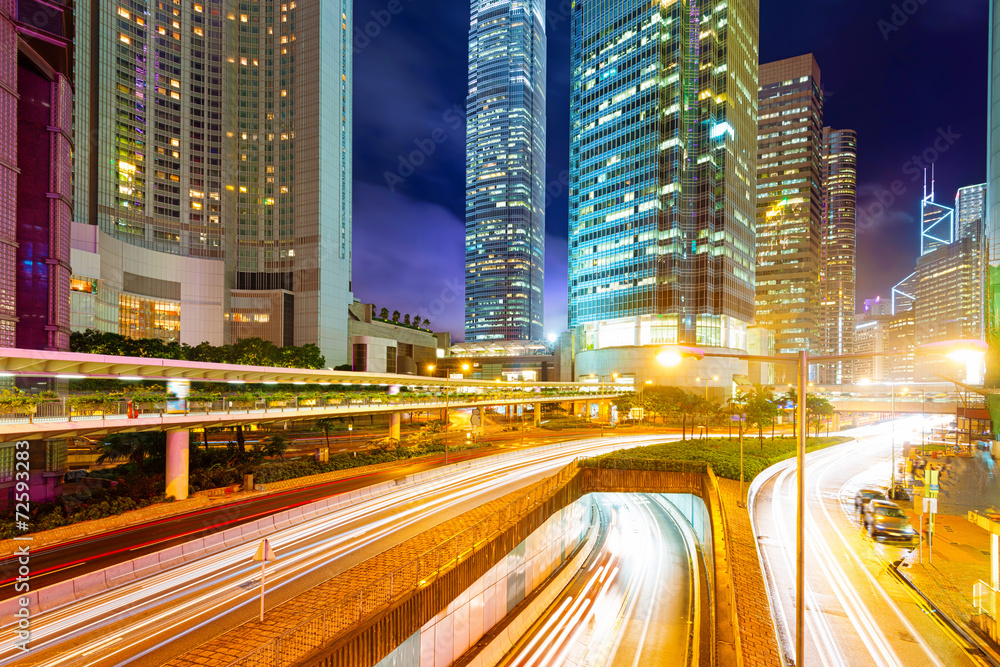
[214,189]
[838,251]
[662,172]
[36,150]
[505,171]
[789,204]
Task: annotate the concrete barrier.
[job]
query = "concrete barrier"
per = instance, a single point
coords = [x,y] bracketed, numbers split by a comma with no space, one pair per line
[68,592]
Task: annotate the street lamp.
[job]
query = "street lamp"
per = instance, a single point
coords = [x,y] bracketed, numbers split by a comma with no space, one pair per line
[960,350]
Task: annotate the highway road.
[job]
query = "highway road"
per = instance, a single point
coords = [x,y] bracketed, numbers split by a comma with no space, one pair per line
[54,564]
[635,599]
[152,620]
[857,612]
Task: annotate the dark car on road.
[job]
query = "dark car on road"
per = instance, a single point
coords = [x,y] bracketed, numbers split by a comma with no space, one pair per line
[886,520]
[863,496]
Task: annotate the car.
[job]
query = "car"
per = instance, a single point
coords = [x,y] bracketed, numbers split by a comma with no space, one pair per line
[885,519]
[864,496]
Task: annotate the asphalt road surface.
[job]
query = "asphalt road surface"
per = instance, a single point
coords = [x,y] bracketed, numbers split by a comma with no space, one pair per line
[635,599]
[72,559]
[856,612]
[152,620]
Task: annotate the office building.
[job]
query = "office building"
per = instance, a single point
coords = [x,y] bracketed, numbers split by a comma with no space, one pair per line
[213,195]
[379,346]
[790,166]
[970,204]
[949,301]
[36,98]
[662,174]
[902,346]
[838,251]
[871,336]
[937,221]
[505,171]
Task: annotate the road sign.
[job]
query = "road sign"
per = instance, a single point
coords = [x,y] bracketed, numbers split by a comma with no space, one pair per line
[264,555]
[930,505]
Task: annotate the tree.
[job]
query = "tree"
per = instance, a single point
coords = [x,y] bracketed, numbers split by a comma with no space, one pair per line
[277,445]
[383,314]
[625,403]
[687,404]
[406,320]
[427,323]
[818,409]
[760,408]
[415,320]
[325,425]
[395,316]
[133,447]
[792,396]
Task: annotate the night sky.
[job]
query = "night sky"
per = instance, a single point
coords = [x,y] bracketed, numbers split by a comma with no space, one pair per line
[912,85]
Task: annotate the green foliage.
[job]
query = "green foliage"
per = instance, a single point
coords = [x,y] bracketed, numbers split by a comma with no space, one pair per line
[17,402]
[132,491]
[564,423]
[247,352]
[135,448]
[722,454]
[276,445]
[760,407]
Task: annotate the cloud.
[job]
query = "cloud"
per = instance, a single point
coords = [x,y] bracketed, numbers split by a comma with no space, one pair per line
[409,255]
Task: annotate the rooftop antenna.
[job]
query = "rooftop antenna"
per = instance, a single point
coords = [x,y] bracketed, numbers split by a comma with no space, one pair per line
[925,183]
[932,181]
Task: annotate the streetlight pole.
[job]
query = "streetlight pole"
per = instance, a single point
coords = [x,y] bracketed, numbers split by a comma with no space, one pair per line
[892,476]
[672,355]
[800,569]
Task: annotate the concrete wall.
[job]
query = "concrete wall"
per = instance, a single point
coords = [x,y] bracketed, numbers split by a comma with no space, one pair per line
[447,636]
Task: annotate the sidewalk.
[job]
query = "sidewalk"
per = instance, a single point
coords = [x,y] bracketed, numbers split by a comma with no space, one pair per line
[757,637]
[961,557]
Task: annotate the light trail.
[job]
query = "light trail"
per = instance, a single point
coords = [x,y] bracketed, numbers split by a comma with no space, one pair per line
[635,566]
[159,610]
[855,615]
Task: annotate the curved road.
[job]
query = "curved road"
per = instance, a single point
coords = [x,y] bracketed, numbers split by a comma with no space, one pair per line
[856,612]
[635,599]
[152,620]
[50,565]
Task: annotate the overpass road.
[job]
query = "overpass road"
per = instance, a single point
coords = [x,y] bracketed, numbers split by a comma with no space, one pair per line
[857,613]
[152,620]
[635,601]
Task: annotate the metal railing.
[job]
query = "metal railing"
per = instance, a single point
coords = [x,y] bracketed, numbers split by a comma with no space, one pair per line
[64,410]
[984,599]
[346,612]
[654,465]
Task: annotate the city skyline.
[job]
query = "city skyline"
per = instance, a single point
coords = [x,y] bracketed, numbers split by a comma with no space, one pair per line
[886,166]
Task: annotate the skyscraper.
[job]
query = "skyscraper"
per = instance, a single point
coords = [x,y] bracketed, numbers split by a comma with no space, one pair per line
[969,207]
[937,221]
[214,191]
[662,170]
[789,203]
[505,171]
[36,148]
[838,250]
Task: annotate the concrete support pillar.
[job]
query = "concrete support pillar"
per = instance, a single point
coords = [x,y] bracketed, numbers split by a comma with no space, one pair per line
[836,421]
[394,421]
[604,411]
[538,414]
[177,463]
